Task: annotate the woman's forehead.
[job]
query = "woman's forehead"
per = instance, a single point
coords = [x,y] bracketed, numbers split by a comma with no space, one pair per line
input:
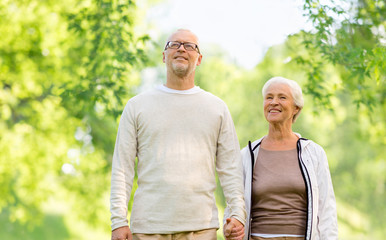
[278,88]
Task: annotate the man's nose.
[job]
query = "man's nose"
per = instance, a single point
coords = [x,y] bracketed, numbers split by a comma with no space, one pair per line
[181,48]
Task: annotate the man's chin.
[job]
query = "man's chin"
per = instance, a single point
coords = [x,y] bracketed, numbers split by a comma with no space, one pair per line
[180,71]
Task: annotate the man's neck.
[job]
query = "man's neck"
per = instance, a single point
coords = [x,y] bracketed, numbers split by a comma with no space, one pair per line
[180,83]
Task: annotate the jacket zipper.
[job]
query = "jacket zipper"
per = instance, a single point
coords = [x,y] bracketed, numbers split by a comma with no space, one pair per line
[307,181]
[252,167]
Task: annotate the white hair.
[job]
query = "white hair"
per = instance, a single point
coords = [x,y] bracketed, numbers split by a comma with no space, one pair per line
[296,91]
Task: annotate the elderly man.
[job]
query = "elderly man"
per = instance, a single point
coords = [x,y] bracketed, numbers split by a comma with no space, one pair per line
[181,135]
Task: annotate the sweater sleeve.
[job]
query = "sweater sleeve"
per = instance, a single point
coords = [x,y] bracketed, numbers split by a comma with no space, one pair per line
[229,169]
[122,173]
[327,216]
[244,157]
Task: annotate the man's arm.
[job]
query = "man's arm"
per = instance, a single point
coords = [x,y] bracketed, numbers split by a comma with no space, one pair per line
[229,168]
[122,173]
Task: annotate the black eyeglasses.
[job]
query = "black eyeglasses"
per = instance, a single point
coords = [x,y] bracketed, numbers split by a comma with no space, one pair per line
[187,45]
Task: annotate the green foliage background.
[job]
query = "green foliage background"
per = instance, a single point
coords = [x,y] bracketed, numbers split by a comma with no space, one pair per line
[67,69]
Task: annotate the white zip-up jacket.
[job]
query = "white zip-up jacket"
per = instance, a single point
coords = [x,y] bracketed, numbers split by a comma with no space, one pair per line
[321,213]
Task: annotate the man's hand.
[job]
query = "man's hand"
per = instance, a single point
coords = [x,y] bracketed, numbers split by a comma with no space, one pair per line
[233,229]
[122,233]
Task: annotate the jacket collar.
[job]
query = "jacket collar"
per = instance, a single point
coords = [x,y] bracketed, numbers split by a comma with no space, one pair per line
[304,142]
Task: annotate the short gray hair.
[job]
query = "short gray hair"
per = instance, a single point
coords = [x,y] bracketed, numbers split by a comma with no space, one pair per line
[296,91]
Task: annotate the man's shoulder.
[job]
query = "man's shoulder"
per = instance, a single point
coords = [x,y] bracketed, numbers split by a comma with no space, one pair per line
[144,95]
[210,96]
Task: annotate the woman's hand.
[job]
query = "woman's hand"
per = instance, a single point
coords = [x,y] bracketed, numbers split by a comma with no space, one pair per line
[233,229]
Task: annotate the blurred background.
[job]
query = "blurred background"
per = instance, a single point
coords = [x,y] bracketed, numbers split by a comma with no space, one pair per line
[67,68]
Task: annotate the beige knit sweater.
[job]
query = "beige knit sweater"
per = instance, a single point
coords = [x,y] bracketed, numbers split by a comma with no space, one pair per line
[180,138]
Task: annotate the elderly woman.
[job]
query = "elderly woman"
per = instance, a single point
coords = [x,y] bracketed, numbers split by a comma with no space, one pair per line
[287,182]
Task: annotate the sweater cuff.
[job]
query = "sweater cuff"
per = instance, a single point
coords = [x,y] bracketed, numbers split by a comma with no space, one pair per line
[118,225]
[240,220]
[239,214]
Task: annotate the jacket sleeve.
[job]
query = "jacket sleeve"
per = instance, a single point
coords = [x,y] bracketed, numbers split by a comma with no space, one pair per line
[122,173]
[327,217]
[229,168]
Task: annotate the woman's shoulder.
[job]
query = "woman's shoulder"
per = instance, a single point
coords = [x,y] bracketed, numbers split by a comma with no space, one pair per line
[245,151]
[310,144]
[314,153]
[253,144]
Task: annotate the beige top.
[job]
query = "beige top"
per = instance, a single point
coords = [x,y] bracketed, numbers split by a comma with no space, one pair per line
[279,202]
[180,139]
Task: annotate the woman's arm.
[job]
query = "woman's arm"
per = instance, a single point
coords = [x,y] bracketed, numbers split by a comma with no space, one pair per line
[327,217]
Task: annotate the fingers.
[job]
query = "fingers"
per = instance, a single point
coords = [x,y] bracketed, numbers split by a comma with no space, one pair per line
[233,230]
[122,233]
[122,237]
[240,237]
[237,232]
[238,228]
[228,227]
[236,237]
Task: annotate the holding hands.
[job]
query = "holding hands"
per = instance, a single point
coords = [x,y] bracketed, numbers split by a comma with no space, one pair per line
[233,229]
[122,233]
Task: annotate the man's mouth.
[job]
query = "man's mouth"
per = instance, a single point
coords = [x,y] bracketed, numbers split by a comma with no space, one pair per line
[180,58]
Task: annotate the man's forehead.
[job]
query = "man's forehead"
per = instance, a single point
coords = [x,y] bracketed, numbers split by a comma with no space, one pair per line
[183,35]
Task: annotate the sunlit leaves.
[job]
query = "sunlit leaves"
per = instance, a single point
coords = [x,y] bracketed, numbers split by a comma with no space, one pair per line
[66,70]
[108,51]
[350,38]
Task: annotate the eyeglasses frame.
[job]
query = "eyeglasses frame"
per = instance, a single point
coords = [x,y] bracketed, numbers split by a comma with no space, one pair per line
[183,44]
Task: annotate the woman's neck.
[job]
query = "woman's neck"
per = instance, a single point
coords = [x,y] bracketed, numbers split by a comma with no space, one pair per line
[279,138]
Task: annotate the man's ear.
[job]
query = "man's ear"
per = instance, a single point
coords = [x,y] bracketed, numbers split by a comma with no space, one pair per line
[199,60]
[163,56]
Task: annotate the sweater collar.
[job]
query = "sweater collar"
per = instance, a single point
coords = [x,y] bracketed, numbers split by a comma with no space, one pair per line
[193,90]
